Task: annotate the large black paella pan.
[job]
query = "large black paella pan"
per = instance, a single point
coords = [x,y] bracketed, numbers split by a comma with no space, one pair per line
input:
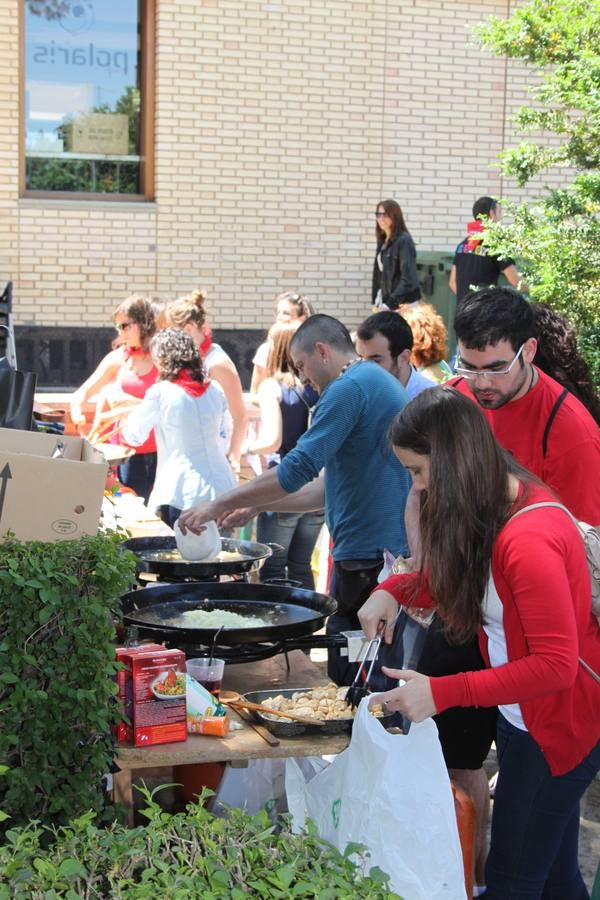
[159,556]
[273,613]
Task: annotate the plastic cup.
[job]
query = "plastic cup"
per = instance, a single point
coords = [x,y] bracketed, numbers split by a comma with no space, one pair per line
[208,673]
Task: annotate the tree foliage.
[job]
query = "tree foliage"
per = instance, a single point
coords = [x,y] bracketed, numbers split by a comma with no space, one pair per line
[557,236]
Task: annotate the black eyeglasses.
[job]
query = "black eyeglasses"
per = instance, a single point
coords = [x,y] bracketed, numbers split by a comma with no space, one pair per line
[380,215]
[123,326]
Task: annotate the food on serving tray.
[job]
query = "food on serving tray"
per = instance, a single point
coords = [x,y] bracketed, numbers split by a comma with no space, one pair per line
[323,703]
[218,618]
[171,684]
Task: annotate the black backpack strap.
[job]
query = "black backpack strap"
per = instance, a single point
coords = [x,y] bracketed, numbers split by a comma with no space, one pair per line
[551,418]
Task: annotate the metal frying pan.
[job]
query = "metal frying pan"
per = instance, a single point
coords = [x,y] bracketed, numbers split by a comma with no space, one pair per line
[285,612]
[248,556]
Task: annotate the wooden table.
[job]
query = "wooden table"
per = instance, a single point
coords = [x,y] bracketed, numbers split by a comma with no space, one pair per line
[244,744]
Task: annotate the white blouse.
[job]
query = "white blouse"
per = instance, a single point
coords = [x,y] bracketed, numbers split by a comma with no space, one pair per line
[497,651]
[191,463]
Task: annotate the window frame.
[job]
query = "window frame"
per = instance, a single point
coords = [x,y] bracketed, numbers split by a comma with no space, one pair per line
[147,118]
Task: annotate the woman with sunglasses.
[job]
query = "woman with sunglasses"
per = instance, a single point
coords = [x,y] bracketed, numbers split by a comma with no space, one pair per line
[395,279]
[121,380]
[291,308]
[522,585]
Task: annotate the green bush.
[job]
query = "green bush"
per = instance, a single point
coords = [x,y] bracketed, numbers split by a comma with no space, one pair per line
[188,855]
[57,672]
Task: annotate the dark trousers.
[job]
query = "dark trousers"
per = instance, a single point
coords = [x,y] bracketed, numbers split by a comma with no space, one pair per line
[535,825]
[351,583]
[169,514]
[138,473]
[297,533]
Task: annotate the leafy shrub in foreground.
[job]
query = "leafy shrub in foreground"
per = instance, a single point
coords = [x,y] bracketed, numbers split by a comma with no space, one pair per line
[188,855]
[57,672]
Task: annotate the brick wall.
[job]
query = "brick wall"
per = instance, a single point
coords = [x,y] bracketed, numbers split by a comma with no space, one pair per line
[278,128]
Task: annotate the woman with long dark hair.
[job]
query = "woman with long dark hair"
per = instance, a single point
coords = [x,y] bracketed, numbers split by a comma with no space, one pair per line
[558,356]
[395,279]
[521,583]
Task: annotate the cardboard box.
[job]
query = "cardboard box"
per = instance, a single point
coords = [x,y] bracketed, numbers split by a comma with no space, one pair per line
[46,499]
[158,717]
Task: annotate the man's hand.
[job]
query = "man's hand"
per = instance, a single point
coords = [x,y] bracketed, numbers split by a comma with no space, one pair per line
[237,517]
[380,607]
[414,699]
[193,519]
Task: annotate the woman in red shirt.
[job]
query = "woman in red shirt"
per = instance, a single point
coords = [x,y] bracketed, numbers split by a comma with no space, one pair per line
[523,586]
[120,380]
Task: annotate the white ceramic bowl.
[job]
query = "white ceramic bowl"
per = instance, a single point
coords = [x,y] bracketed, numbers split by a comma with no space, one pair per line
[196,547]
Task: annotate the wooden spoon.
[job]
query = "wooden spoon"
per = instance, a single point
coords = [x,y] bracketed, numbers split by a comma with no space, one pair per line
[258,707]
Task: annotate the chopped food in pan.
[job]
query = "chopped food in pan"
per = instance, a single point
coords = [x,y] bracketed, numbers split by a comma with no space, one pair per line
[217,618]
[324,703]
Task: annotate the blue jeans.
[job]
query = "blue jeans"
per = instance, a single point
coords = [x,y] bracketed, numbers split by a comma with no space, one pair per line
[535,824]
[297,533]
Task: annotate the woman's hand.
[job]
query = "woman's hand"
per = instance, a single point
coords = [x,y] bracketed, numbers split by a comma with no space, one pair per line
[413,699]
[77,416]
[234,462]
[380,607]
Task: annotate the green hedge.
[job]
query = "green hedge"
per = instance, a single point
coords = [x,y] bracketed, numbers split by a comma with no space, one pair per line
[189,855]
[57,672]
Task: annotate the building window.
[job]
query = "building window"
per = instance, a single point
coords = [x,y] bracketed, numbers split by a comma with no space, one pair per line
[88,98]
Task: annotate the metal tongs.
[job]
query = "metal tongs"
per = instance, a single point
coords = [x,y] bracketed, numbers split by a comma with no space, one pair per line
[357,691]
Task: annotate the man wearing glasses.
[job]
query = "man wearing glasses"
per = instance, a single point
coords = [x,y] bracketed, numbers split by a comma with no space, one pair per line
[546,428]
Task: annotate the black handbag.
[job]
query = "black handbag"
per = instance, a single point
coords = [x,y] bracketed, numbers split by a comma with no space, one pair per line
[17,390]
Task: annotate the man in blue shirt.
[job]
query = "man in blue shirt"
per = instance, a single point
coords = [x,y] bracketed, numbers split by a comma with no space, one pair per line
[364,487]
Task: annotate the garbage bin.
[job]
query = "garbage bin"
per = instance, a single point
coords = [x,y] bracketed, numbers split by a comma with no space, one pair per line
[433,269]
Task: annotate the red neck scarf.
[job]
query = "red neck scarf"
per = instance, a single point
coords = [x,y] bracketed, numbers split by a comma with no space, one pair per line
[190,385]
[473,230]
[207,342]
[134,351]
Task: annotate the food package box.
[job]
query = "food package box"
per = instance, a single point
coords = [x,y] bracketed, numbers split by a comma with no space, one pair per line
[124,730]
[159,707]
[44,498]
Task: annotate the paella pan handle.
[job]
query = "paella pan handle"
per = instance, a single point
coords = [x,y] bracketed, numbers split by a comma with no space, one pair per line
[276,548]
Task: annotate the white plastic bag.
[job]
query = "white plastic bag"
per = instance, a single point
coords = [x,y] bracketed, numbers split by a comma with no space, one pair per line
[259,785]
[390,792]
